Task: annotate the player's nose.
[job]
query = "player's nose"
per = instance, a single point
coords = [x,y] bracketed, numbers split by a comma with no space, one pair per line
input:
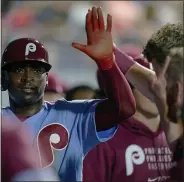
[27,76]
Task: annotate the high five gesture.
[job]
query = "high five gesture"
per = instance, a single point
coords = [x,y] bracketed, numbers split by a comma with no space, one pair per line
[99,39]
[120,104]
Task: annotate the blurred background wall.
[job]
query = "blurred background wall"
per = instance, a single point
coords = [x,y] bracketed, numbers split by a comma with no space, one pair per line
[57,23]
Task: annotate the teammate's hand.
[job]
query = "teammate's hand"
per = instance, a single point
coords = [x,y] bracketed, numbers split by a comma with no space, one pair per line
[99,39]
[158,86]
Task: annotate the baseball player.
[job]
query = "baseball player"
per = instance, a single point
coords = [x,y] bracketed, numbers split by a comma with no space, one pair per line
[145,148]
[68,130]
[160,48]
[157,49]
[168,37]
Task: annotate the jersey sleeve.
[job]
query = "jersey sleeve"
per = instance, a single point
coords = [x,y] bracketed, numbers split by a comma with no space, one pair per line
[89,135]
[104,135]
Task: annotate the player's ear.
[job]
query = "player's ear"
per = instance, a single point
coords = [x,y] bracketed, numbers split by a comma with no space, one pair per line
[4,80]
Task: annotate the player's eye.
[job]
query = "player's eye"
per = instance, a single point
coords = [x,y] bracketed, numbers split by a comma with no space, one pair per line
[37,71]
[19,70]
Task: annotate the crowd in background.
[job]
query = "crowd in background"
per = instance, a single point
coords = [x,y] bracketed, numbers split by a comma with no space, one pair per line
[58,23]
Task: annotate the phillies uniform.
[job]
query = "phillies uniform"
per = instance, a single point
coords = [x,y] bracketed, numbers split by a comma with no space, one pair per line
[68,130]
[134,154]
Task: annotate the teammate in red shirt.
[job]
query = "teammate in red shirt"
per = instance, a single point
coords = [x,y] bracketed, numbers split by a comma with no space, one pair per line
[165,43]
[143,150]
[157,49]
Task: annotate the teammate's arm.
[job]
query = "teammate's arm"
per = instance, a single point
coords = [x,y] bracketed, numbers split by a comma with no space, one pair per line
[142,78]
[120,104]
[138,75]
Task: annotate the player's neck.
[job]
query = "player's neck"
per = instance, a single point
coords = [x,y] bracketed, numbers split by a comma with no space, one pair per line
[151,122]
[26,111]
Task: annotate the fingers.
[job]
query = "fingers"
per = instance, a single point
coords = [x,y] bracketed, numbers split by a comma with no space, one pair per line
[95,19]
[156,67]
[80,47]
[109,23]
[89,27]
[160,70]
[165,66]
[100,19]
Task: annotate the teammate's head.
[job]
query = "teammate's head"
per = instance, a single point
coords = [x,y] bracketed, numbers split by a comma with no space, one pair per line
[80,92]
[55,88]
[25,70]
[169,40]
[161,42]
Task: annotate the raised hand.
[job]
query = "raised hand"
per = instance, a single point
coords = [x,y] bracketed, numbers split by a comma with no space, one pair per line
[99,39]
[158,86]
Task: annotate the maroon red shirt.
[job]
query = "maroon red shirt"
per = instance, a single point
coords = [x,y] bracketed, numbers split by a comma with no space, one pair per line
[134,154]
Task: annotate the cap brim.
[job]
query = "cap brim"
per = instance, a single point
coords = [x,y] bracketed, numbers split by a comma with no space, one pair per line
[47,66]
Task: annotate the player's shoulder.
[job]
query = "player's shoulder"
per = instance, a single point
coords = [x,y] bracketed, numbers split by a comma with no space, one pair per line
[63,104]
[4,110]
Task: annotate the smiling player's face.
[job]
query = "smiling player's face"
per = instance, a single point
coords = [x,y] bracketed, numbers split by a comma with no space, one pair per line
[26,83]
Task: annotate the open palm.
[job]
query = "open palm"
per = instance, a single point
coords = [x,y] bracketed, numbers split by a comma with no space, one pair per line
[99,40]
